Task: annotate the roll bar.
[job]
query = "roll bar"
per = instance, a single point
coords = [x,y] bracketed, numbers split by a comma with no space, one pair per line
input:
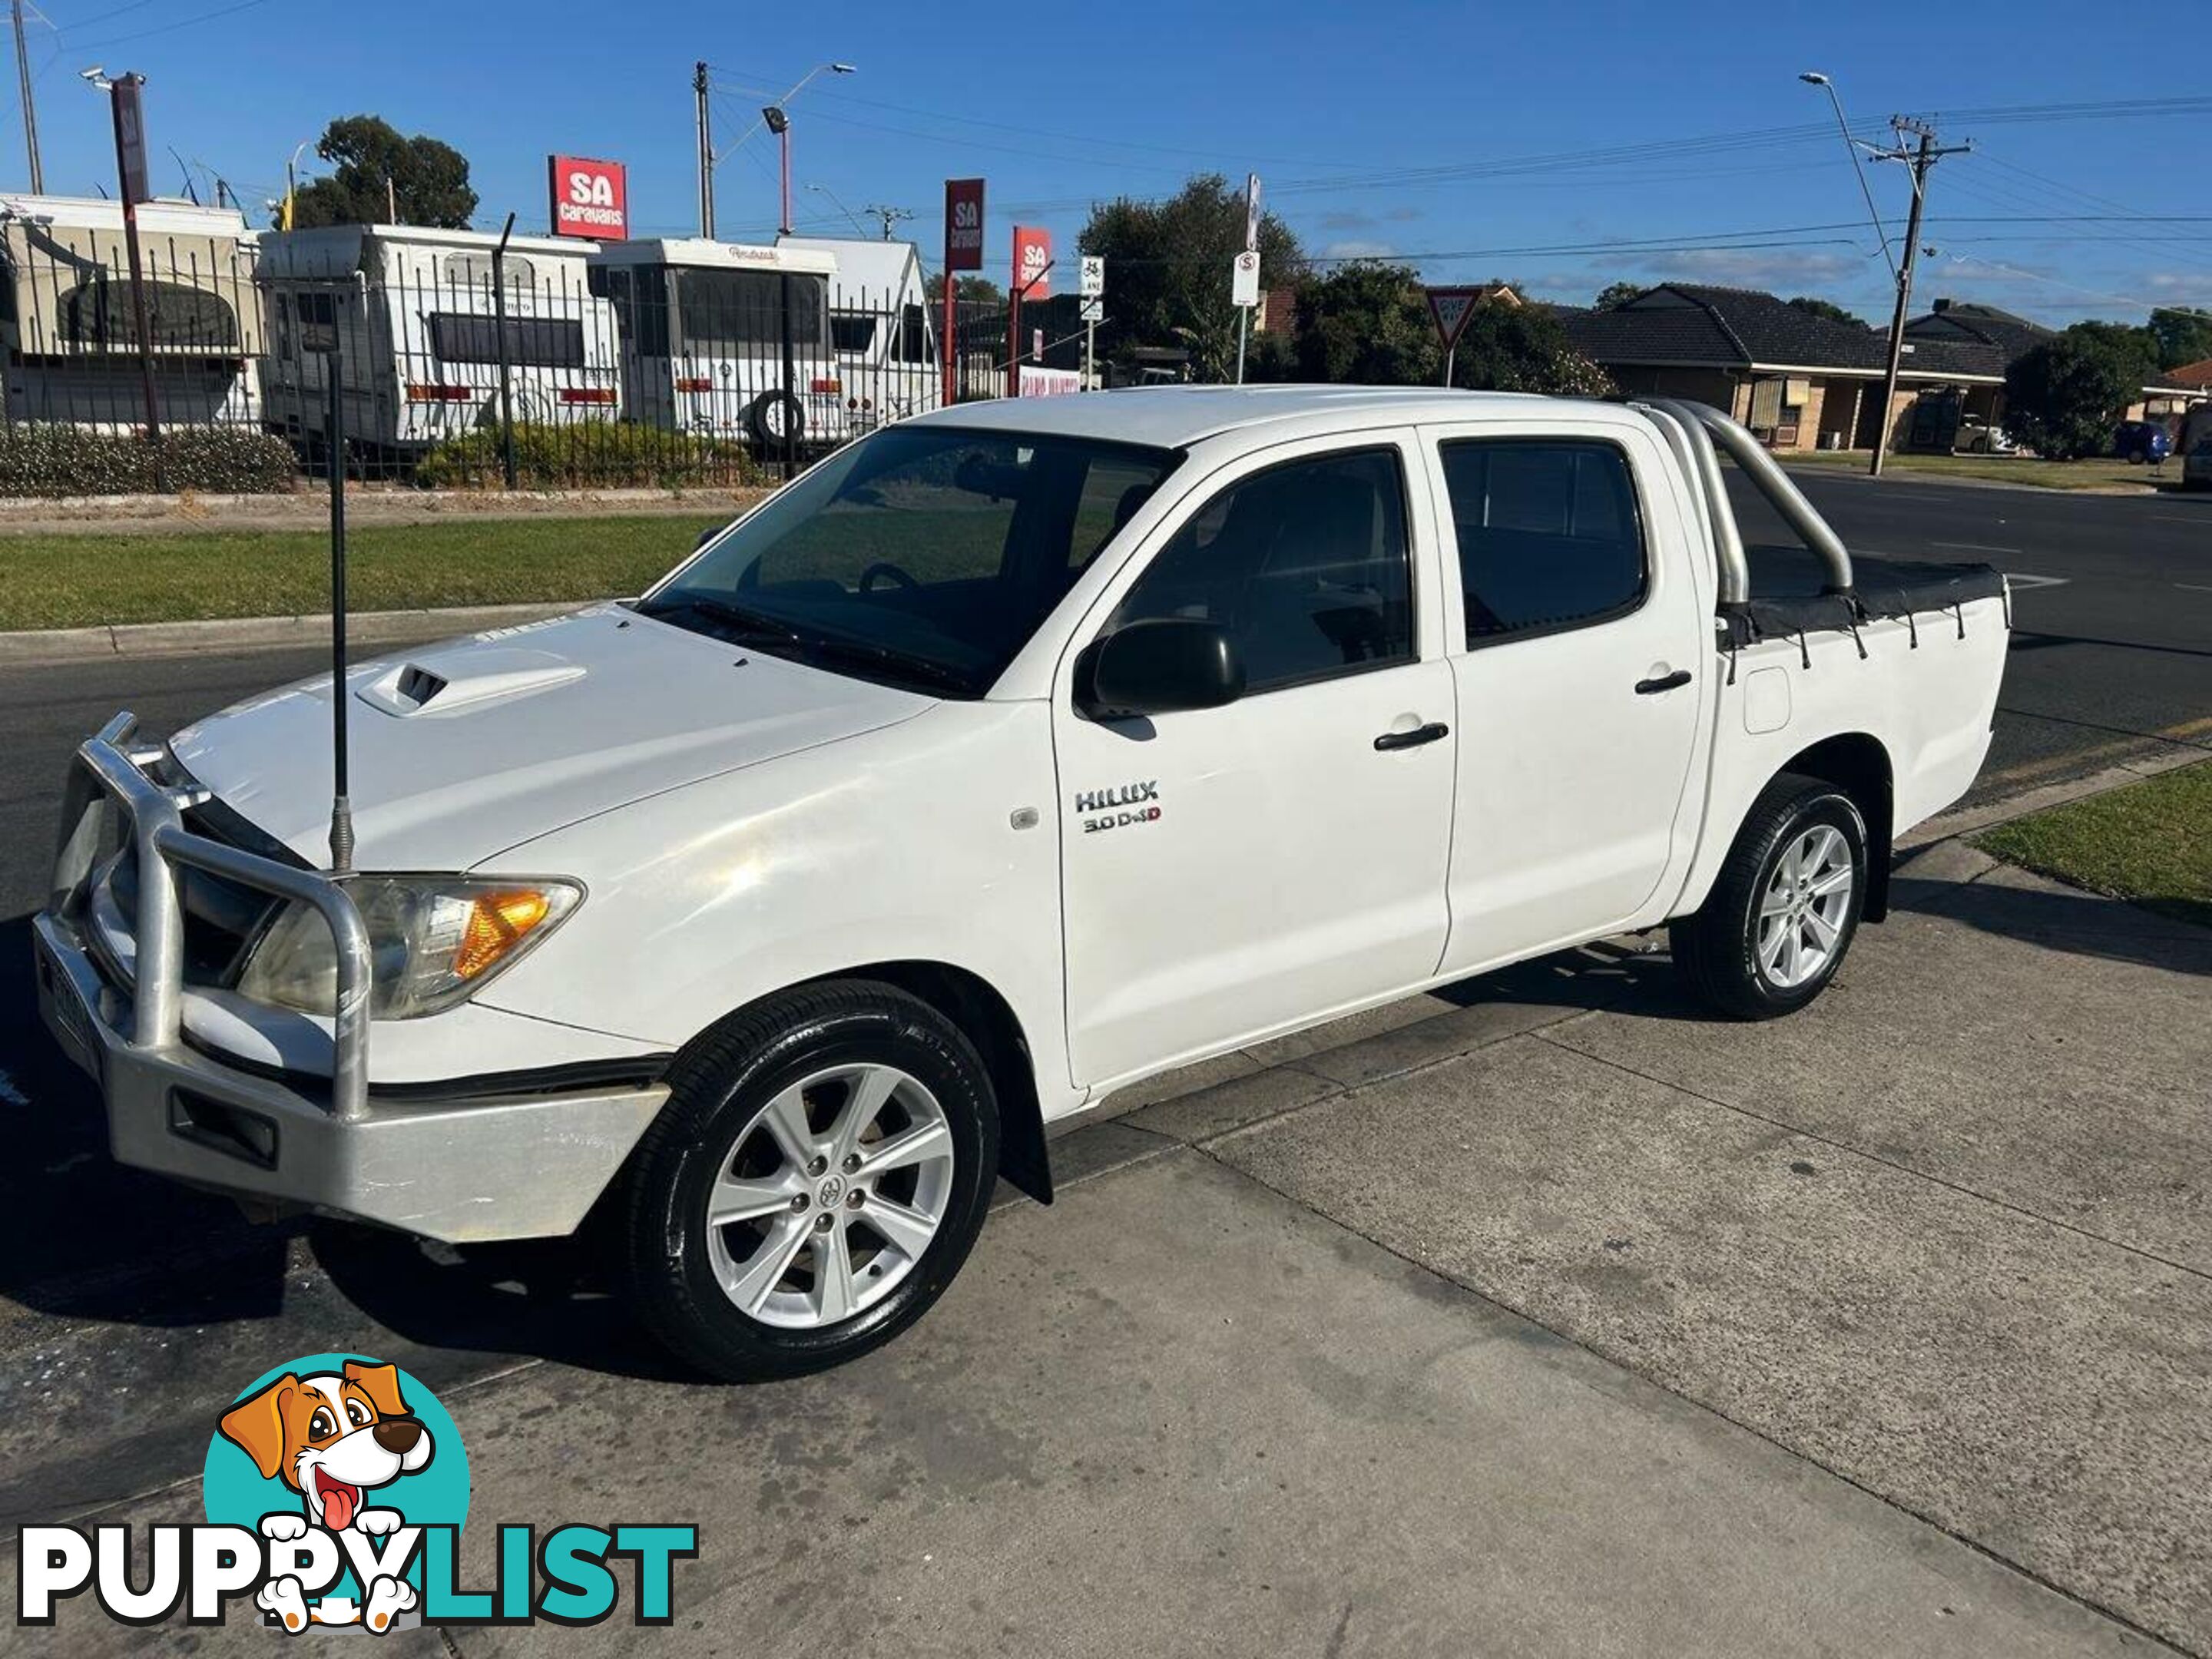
[1700,426]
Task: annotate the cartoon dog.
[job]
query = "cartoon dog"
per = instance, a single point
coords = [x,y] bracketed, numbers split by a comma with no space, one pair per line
[332,1437]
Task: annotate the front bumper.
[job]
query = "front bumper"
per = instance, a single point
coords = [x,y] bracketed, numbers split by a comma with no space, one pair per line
[465,1170]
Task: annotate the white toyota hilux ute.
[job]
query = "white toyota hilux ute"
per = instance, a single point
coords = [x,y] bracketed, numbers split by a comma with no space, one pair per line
[1013,754]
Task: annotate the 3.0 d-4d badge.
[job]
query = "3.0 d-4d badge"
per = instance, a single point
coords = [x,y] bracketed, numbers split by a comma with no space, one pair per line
[1097,804]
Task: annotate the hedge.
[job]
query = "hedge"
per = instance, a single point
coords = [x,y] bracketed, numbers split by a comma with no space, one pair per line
[74,460]
[609,455]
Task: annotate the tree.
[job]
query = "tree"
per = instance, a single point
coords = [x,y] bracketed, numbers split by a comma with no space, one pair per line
[1819,308]
[978,290]
[2063,396]
[1614,294]
[2181,335]
[1167,270]
[428,180]
[1366,324]
[1369,323]
[1504,348]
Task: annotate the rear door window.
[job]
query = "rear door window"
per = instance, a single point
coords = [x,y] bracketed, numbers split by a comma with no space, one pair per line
[1549,535]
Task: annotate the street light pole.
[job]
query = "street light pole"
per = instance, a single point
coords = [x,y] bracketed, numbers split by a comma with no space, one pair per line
[1814,78]
[779,124]
[30,115]
[714,157]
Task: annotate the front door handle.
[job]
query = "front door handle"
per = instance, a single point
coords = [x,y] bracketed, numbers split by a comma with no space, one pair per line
[1664,682]
[1413,739]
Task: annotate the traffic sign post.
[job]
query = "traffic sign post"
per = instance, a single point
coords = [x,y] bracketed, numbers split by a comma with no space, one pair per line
[1451,308]
[1244,277]
[1091,285]
[1244,294]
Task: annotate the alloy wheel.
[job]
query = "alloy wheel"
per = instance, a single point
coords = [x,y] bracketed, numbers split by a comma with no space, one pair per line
[1807,902]
[830,1195]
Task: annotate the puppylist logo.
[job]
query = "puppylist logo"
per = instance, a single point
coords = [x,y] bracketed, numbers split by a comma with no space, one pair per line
[335,1489]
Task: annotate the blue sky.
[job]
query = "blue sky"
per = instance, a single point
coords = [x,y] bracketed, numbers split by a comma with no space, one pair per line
[1339,107]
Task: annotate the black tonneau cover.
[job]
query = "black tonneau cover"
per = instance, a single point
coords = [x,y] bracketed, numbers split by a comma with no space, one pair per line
[1881,589]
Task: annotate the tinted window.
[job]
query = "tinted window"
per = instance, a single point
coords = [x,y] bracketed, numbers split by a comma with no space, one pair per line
[532,342]
[98,312]
[1548,534]
[914,336]
[741,308]
[852,330]
[1304,564]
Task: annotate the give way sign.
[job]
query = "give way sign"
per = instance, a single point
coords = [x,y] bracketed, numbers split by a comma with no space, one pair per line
[1451,308]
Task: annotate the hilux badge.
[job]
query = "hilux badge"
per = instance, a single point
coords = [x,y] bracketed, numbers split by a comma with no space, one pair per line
[1097,807]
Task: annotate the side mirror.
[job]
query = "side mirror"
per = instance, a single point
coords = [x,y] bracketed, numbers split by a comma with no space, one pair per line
[1161,665]
[708,535]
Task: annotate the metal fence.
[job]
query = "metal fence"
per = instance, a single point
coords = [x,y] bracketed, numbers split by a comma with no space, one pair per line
[446,361]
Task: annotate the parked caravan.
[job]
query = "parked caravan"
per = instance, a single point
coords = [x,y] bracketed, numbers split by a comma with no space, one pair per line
[71,328]
[883,328]
[701,339]
[418,327]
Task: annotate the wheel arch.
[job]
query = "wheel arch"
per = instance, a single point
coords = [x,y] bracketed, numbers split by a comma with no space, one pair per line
[1857,763]
[988,1021]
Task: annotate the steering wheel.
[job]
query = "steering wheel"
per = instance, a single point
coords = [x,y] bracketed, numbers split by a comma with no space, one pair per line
[884,568]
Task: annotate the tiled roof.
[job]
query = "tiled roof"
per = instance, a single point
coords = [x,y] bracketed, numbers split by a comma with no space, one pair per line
[1979,325]
[2197,375]
[1694,323]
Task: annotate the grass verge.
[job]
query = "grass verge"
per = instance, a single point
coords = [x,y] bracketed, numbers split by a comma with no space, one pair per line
[2149,841]
[77,582]
[2004,469]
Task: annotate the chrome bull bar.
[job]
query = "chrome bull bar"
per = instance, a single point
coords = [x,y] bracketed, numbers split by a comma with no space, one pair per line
[154,817]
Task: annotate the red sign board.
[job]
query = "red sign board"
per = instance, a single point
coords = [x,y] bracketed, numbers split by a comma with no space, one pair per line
[590,199]
[963,224]
[1032,259]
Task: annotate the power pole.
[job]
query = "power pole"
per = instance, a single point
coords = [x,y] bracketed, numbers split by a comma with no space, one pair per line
[890,215]
[30,116]
[1921,161]
[706,151]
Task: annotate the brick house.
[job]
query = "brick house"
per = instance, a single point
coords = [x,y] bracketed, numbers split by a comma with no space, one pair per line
[1798,381]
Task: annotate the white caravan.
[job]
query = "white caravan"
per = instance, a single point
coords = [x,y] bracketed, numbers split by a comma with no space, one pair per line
[883,328]
[415,319]
[1010,756]
[71,331]
[702,339]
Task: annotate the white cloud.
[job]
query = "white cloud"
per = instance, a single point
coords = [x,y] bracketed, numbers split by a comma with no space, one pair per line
[1358,249]
[1757,267]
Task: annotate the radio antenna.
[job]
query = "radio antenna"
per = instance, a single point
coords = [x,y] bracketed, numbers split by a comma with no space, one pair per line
[341,806]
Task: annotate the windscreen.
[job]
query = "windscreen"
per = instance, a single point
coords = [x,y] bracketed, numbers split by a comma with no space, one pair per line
[923,555]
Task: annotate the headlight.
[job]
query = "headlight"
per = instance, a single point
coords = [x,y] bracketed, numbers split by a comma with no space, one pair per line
[433,939]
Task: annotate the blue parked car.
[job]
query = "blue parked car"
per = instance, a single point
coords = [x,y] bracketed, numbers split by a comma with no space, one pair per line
[2138,441]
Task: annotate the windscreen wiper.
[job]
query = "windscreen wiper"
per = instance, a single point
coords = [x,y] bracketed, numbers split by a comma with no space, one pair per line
[741,623]
[910,665]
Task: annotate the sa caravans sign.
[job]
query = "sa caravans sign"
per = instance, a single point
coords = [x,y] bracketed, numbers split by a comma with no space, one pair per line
[963,224]
[590,199]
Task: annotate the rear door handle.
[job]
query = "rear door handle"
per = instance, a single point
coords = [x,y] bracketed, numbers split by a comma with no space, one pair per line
[1664,682]
[1413,739]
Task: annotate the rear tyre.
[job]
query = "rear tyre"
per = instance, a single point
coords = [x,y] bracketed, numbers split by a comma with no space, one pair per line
[1781,914]
[816,1181]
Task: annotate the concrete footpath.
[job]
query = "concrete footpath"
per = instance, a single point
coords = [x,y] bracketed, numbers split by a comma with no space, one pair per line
[1538,1315]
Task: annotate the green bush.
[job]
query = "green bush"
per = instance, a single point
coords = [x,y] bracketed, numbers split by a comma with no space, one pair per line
[74,460]
[605,455]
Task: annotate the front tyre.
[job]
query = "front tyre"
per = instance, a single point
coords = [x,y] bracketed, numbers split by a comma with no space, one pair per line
[1780,918]
[816,1181]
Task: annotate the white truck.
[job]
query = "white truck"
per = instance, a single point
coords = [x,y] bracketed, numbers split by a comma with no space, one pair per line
[1011,755]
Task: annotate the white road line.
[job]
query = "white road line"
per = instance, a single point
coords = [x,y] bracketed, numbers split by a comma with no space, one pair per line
[1975,547]
[2184,518]
[2021,581]
[2194,587]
